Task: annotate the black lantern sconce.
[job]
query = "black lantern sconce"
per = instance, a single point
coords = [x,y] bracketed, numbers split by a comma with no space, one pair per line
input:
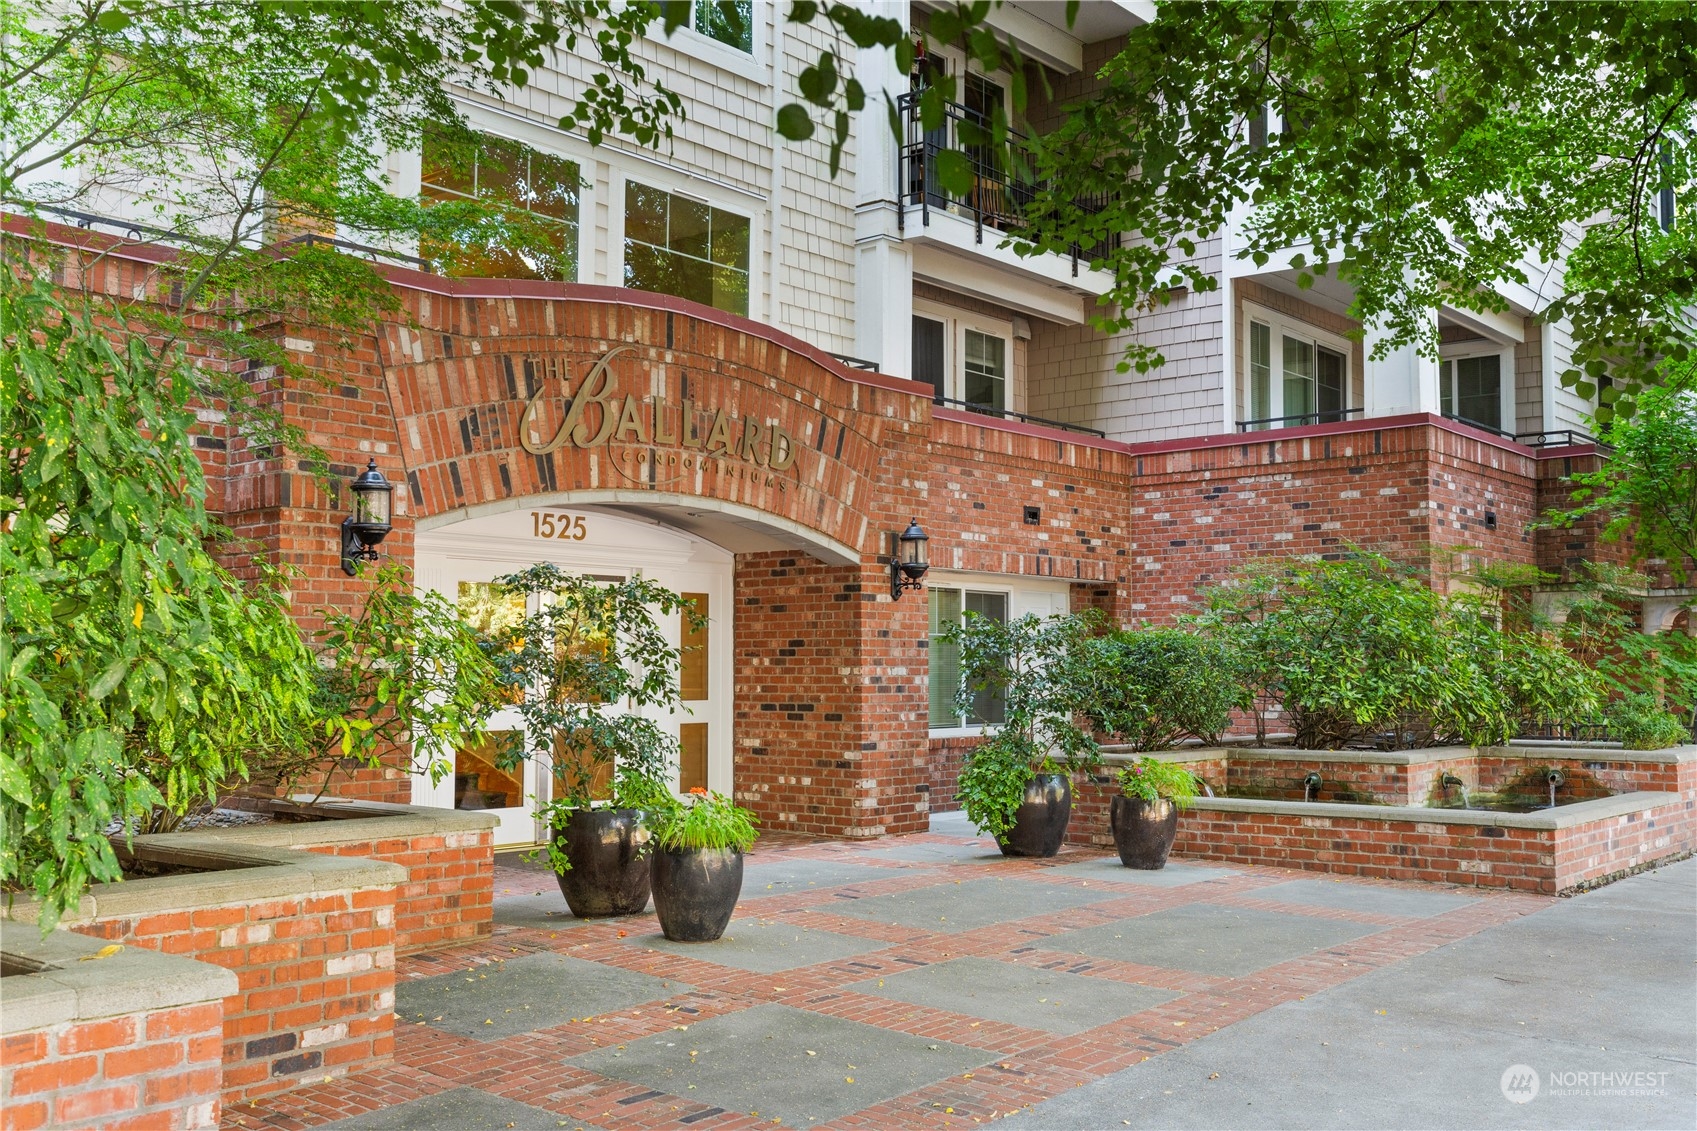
[909,560]
[366,528]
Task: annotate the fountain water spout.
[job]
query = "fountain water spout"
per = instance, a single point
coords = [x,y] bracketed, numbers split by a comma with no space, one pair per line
[1556,779]
[1311,785]
[1450,781]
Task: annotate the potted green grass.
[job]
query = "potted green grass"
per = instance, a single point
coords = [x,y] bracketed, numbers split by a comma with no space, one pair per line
[1144,814]
[696,866]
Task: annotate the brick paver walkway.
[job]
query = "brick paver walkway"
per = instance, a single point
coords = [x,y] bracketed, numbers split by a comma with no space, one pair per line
[933,983]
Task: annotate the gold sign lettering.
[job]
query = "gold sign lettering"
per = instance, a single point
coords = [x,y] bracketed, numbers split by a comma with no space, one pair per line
[632,420]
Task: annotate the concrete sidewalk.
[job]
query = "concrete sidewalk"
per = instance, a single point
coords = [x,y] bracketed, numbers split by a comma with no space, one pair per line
[930,982]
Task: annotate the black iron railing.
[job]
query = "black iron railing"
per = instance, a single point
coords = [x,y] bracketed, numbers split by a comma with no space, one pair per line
[855,362]
[142,233]
[995,199]
[1330,416]
[1010,414]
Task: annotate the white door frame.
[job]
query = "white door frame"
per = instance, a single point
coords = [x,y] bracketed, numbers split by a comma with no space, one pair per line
[612,546]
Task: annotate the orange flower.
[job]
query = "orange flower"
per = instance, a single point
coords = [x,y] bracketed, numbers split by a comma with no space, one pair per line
[698,789]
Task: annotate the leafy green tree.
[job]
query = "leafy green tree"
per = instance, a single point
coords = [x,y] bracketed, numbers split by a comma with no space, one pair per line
[1039,670]
[138,671]
[1424,151]
[583,667]
[1646,492]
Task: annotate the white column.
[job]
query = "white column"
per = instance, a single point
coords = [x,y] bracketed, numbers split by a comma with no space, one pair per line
[883,270]
[1405,381]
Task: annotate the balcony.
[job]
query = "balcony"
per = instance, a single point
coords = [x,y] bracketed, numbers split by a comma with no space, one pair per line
[970,227]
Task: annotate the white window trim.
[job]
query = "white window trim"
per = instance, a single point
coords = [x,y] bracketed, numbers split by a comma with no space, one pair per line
[705,49]
[1283,326]
[1460,351]
[1014,588]
[556,143]
[664,179]
[956,323]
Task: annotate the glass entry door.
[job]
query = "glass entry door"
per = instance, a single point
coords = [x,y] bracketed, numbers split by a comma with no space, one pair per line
[461,561]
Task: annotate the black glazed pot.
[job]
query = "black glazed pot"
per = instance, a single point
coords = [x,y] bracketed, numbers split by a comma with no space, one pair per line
[695,891]
[608,850]
[1040,822]
[1143,831]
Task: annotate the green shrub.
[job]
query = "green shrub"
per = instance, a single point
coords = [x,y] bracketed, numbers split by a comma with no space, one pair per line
[1039,670]
[1150,779]
[1640,722]
[703,821]
[1154,687]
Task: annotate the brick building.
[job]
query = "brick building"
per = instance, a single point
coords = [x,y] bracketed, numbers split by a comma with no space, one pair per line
[685,398]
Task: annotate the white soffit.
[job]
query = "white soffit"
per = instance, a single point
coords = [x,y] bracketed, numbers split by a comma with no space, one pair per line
[1506,327]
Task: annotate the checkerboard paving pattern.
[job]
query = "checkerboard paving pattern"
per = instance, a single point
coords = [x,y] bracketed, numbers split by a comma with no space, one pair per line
[929,983]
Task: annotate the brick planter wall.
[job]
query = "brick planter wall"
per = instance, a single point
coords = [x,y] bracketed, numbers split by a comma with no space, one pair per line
[448,896]
[1548,851]
[309,938]
[134,1040]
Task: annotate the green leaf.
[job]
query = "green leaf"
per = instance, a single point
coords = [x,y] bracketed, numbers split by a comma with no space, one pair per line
[794,122]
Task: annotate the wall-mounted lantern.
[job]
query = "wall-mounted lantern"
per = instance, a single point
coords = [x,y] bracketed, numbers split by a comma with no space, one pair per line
[366,528]
[908,559]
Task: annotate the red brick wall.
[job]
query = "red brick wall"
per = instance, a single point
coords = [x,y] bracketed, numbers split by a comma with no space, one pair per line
[1402,489]
[449,896]
[317,978]
[152,1071]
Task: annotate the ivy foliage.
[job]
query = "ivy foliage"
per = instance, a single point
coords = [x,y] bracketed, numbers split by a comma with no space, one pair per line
[139,672]
[586,671]
[1039,670]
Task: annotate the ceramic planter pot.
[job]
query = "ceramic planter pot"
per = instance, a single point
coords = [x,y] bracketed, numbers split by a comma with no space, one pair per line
[1143,831]
[608,852]
[695,891]
[1040,823]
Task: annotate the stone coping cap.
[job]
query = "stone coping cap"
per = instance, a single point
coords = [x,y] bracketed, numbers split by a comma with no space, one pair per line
[1592,752]
[61,987]
[353,821]
[245,874]
[1530,751]
[1562,817]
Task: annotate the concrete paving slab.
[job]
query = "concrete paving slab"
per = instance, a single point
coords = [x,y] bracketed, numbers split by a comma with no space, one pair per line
[1595,984]
[1108,869]
[765,946]
[1056,1001]
[1209,939]
[789,1064]
[547,911]
[460,1109]
[783,876]
[537,991]
[950,907]
[1340,895]
[920,852]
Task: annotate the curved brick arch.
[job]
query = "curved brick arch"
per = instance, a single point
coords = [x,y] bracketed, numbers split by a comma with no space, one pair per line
[827,550]
[497,398]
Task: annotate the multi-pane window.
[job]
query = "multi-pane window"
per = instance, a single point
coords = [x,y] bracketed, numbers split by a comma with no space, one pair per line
[679,246]
[536,235]
[950,606]
[1470,389]
[731,22]
[986,371]
[966,359]
[1294,377]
